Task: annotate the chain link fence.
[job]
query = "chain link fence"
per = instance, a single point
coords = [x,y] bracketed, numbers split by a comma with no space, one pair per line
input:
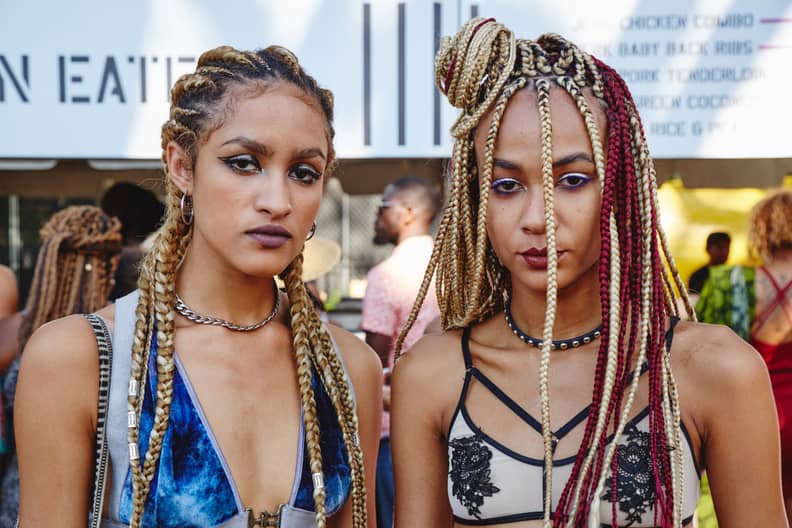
[349,221]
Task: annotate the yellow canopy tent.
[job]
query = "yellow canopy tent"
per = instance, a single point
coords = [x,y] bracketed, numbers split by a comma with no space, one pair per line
[689,215]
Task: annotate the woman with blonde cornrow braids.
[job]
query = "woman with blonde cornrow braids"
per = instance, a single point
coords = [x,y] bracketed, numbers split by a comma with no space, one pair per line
[558,293]
[265,416]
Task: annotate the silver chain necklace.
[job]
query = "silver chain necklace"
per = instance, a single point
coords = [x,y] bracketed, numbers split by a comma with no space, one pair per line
[195,317]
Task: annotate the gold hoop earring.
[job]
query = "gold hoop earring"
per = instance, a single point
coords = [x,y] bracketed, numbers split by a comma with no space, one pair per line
[186,216]
[312,232]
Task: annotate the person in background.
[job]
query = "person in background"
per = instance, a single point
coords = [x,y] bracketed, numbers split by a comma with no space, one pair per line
[756,302]
[9,292]
[140,212]
[404,217]
[9,304]
[718,245]
[74,274]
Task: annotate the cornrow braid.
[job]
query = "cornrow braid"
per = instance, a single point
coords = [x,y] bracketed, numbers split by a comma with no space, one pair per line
[478,70]
[198,103]
[75,266]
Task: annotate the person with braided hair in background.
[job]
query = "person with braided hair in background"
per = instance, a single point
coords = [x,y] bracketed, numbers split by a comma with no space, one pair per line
[9,305]
[266,415]
[755,303]
[558,300]
[74,273]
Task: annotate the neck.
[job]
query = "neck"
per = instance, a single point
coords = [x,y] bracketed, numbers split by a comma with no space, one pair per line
[211,287]
[781,256]
[577,308]
[410,232]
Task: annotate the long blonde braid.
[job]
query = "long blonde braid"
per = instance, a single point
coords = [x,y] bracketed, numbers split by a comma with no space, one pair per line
[477,70]
[548,191]
[333,375]
[197,106]
[302,351]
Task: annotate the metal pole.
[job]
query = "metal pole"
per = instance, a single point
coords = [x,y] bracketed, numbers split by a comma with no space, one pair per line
[14,233]
[345,244]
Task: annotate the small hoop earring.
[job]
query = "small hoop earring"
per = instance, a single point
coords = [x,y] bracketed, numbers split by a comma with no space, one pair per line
[312,232]
[187,216]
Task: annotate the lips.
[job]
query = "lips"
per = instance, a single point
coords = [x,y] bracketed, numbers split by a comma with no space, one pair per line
[269,236]
[536,258]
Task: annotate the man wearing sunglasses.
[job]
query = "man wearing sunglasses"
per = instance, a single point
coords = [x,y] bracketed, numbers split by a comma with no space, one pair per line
[404,217]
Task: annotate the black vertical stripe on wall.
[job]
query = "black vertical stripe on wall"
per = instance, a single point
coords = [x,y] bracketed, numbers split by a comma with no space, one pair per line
[367,74]
[168,76]
[402,80]
[142,79]
[474,10]
[438,18]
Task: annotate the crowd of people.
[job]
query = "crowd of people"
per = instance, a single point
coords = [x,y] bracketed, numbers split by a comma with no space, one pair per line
[536,362]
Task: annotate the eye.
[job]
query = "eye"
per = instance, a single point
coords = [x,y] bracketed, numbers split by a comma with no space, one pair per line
[305,174]
[243,163]
[573,180]
[507,186]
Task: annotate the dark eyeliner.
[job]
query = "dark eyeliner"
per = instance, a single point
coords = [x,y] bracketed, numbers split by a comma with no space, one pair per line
[233,162]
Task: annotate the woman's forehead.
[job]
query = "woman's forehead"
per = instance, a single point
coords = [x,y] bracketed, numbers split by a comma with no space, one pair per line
[521,122]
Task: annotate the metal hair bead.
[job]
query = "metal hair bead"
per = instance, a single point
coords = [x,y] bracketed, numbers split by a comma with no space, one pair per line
[133,451]
[133,388]
[195,317]
[131,419]
[318,480]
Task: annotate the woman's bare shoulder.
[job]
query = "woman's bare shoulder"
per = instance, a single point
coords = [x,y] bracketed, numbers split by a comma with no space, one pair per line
[360,360]
[431,356]
[714,360]
[66,343]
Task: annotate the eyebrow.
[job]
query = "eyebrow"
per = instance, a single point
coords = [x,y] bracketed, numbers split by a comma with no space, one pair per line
[265,151]
[505,164]
[571,158]
[566,160]
[249,144]
[310,153]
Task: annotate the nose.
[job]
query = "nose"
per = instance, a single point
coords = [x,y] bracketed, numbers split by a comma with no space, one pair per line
[532,219]
[273,195]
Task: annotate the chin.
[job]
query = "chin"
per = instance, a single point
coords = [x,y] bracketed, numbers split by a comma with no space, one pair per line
[262,268]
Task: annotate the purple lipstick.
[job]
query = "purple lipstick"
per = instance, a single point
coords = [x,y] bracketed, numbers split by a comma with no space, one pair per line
[269,236]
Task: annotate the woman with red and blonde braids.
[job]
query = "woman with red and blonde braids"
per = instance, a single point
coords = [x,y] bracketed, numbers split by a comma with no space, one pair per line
[266,415]
[558,301]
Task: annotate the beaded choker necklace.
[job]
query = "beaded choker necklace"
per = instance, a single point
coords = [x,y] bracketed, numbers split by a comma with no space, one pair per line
[562,344]
[196,317]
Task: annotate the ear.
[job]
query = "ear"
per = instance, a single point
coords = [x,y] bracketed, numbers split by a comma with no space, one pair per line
[409,214]
[179,167]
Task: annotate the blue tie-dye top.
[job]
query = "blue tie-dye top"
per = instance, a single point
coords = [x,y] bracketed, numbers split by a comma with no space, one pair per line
[193,486]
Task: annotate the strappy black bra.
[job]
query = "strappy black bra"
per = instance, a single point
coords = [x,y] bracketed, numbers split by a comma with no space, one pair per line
[488,483]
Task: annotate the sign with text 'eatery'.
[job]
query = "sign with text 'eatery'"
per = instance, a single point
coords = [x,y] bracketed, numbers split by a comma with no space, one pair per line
[90,79]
